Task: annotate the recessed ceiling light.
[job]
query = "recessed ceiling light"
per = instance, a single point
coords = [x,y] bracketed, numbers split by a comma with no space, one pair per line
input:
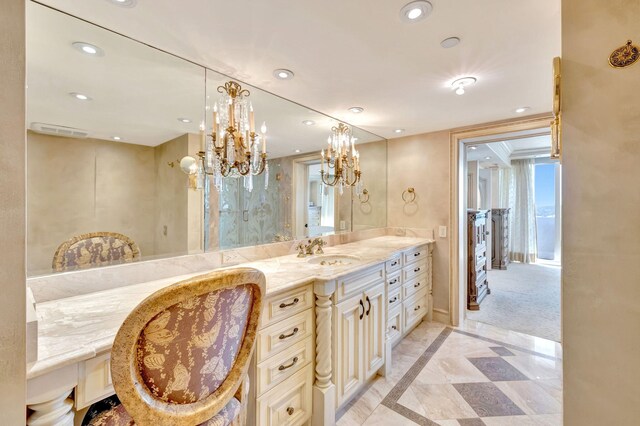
[116,138]
[88,49]
[297,150]
[450,42]
[473,147]
[461,83]
[356,110]
[309,122]
[283,74]
[522,109]
[124,3]
[80,96]
[487,158]
[184,120]
[416,11]
[399,130]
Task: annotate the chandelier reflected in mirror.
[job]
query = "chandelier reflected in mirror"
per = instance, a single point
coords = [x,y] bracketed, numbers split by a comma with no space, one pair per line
[341,160]
[233,149]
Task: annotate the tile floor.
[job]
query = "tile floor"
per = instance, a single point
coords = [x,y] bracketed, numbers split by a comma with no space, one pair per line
[471,375]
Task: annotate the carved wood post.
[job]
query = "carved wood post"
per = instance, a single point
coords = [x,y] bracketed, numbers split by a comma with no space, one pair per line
[55,412]
[324,390]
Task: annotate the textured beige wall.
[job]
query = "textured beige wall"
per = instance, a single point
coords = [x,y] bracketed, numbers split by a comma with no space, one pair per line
[373,162]
[12,212]
[76,186]
[422,162]
[171,207]
[601,211]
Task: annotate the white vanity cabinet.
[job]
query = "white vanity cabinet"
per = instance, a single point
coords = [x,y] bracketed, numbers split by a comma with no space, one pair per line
[359,324]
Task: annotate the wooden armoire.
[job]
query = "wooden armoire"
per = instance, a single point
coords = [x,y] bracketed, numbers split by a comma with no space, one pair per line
[477,283]
[499,238]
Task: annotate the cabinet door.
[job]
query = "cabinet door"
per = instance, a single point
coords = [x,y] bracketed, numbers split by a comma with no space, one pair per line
[349,344]
[375,330]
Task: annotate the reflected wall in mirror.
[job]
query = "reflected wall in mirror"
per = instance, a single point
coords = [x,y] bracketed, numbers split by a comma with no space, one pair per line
[294,204]
[108,118]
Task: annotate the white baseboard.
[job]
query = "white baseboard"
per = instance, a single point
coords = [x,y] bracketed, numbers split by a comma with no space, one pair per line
[440,315]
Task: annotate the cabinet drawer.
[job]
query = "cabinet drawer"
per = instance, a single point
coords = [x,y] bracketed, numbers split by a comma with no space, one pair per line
[414,285]
[394,326]
[394,280]
[286,304]
[289,403]
[283,365]
[394,298]
[393,264]
[413,270]
[94,381]
[415,255]
[358,282]
[414,309]
[283,334]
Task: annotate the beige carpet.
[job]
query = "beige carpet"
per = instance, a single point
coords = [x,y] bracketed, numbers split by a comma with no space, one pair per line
[524,298]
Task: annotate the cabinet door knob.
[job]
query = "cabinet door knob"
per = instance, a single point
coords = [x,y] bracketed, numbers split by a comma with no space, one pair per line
[294,302]
[286,336]
[290,410]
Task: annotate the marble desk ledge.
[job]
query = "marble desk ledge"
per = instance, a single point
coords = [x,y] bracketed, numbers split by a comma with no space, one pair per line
[77,328]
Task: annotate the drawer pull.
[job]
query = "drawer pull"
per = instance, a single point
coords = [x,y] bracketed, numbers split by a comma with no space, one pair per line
[393,281]
[369,308]
[286,336]
[416,308]
[285,305]
[294,361]
[362,306]
[416,285]
[394,327]
[416,270]
[394,263]
[393,300]
[290,410]
[416,254]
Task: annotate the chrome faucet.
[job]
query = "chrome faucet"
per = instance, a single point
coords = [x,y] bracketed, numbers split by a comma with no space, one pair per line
[307,249]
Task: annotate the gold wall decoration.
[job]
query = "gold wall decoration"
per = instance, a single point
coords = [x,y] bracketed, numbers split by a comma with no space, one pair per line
[624,56]
[556,124]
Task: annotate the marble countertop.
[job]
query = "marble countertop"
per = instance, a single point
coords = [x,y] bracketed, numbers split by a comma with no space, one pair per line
[77,328]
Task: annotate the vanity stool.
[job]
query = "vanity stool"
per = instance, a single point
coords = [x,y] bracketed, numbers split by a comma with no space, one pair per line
[94,249]
[181,356]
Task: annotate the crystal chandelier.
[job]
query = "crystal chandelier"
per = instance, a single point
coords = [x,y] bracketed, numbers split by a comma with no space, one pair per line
[341,156]
[233,150]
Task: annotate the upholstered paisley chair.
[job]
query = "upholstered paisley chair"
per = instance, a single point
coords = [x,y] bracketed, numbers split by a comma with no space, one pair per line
[181,357]
[95,249]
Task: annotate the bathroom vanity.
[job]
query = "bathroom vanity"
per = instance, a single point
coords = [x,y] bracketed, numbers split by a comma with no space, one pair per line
[327,328]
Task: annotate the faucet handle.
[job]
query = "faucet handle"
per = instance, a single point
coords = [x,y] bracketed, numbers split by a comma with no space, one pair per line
[300,248]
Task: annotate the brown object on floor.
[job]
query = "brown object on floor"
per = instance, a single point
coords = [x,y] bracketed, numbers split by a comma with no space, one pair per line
[181,356]
[95,249]
[477,233]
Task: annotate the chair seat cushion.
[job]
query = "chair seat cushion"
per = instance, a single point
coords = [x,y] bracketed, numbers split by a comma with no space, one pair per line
[118,416]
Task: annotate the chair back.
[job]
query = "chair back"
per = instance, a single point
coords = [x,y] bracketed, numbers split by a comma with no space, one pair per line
[181,354]
[94,249]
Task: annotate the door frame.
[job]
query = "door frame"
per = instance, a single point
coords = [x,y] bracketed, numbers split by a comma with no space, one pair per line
[457,246]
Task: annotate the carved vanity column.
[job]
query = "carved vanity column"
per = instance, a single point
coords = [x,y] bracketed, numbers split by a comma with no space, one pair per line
[50,397]
[55,412]
[324,390]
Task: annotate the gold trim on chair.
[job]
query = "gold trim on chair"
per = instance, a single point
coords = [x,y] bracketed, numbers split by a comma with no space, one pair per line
[134,394]
[60,258]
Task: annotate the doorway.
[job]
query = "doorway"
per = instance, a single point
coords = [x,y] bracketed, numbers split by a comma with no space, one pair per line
[527,291]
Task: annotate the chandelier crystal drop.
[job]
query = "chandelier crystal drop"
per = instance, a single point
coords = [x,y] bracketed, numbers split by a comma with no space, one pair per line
[341,160]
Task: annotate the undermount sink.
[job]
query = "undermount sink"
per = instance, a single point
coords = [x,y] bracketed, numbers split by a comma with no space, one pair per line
[333,260]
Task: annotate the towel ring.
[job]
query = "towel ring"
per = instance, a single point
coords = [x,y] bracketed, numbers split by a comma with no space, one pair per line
[364,197]
[411,192]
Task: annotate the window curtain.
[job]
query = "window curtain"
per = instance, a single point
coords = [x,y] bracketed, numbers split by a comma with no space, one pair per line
[517,193]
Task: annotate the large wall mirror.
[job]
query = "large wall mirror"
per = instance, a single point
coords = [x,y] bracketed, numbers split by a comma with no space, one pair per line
[108,121]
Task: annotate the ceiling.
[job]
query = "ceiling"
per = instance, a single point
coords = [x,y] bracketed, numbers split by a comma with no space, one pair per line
[360,53]
[507,147]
